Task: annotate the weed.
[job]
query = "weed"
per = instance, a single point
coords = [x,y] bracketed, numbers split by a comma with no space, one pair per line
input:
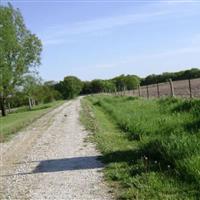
[150,147]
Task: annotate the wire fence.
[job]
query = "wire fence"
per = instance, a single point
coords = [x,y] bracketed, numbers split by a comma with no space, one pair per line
[184,88]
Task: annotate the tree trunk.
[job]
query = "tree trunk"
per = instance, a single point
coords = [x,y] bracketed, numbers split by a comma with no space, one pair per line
[33,102]
[29,103]
[9,110]
[3,108]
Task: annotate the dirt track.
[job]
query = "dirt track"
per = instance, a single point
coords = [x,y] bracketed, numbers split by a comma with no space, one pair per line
[51,160]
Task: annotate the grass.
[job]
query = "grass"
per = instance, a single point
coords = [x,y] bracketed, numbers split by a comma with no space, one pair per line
[151,148]
[17,120]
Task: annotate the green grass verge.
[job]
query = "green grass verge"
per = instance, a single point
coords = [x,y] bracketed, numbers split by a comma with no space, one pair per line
[13,122]
[151,148]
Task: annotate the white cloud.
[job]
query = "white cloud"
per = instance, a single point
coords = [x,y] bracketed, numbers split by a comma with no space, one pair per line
[58,34]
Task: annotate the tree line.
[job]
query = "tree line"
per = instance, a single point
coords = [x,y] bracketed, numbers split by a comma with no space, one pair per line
[20,83]
[175,76]
[72,86]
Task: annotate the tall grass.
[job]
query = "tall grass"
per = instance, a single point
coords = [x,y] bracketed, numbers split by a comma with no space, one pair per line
[167,135]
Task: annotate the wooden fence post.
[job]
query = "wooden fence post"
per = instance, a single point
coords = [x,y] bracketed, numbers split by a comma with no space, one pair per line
[171,87]
[158,90]
[147,92]
[190,88]
[139,93]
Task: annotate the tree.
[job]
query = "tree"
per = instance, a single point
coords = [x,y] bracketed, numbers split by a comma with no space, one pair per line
[48,93]
[131,82]
[164,77]
[86,89]
[70,87]
[119,82]
[108,86]
[97,85]
[19,51]
[128,82]
[31,86]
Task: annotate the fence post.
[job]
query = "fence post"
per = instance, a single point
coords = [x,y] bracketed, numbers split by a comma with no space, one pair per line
[147,92]
[158,90]
[171,87]
[190,87]
[139,93]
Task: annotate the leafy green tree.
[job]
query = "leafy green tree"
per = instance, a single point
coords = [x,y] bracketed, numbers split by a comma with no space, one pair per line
[119,82]
[131,82]
[19,99]
[128,82]
[164,77]
[70,87]
[97,85]
[19,52]
[86,89]
[192,73]
[108,86]
[31,86]
[48,93]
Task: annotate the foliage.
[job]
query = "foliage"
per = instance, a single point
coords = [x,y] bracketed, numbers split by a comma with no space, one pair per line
[49,93]
[70,87]
[151,147]
[19,51]
[33,88]
[86,89]
[119,83]
[128,82]
[181,75]
[97,86]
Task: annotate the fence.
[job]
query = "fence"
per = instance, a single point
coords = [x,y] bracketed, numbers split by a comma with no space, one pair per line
[183,88]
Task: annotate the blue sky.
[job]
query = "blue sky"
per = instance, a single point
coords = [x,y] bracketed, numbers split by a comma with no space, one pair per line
[101,39]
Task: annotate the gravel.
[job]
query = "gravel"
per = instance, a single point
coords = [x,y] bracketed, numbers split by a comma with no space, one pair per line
[52,160]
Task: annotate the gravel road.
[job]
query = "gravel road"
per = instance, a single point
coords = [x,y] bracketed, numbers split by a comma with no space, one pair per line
[50,159]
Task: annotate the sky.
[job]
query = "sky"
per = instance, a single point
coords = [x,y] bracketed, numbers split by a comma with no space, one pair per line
[101,39]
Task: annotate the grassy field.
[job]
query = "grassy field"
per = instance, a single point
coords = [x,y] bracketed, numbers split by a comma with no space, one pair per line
[22,117]
[151,147]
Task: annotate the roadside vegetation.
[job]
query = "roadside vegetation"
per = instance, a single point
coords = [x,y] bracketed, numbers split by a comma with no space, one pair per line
[21,117]
[20,83]
[151,148]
